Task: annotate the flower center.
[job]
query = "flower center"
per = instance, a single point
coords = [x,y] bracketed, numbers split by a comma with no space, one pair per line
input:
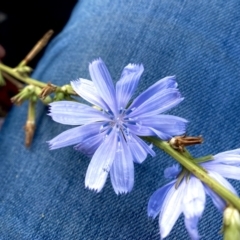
[120,122]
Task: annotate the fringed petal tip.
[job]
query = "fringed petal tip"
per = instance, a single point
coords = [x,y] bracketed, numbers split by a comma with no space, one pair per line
[97,60]
[178,127]
[171,81]
[50,145]
[49,111]
[51,104]
[55,106]
[121,190]
[172,78]
[182,127]
[124,192]
[131,67]
[95,190]
[75,81]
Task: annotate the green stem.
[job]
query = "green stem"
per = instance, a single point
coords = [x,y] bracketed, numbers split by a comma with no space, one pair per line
[21,64]
[2,82]
[28,80]
[31,111]
[197,171]
[187,154]
[18,76]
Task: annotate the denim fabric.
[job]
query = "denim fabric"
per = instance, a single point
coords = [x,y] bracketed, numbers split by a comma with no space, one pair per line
[42,194]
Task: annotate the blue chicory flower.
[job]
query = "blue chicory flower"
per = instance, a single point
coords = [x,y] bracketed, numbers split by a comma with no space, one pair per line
[190,196]
[109,131]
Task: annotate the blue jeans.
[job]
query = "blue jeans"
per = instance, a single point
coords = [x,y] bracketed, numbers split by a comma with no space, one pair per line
[42,194]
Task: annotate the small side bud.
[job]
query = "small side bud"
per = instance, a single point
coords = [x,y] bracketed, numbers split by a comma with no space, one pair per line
[47,90]
[34,98]
[231,224]
[47,100]
[180,142]
[25,70]
[59,96]
[25,94]
[37,91]
[67,89]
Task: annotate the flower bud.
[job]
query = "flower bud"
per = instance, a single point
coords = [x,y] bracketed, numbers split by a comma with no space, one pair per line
[34,98]
[25,94]
[67,88]
[47,100]
[24,69]
[231,223]
[37,91]
[59,96]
